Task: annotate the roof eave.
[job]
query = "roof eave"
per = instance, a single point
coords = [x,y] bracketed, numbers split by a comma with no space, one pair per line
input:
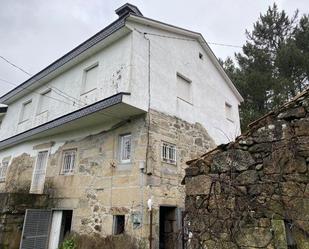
[59,63]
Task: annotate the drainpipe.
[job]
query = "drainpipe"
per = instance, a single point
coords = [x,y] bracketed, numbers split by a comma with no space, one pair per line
[149,99]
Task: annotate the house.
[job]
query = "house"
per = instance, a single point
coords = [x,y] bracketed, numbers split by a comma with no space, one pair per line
[108,127]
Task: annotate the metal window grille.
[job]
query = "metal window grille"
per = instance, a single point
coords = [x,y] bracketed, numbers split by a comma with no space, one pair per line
[38,178]
[125,150]
[69,157]
[3,169]
[168,153]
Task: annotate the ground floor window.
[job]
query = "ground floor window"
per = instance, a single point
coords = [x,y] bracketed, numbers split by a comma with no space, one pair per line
[118,224]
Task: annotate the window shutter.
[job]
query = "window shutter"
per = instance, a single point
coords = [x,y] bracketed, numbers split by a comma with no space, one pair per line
[36,229]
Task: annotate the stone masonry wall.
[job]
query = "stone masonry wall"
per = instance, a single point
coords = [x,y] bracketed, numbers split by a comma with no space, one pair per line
[102,187]
[254,193]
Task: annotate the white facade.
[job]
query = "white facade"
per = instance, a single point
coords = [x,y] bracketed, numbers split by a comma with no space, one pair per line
[123,66]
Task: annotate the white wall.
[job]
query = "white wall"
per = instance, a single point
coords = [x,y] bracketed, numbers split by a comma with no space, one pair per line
[113,77]
[123,66]
[209,89]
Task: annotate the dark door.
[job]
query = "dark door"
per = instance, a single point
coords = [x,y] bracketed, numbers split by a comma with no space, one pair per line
[168,228]
[36,229]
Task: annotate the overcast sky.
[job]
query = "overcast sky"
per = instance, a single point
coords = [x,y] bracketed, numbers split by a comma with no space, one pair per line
[34,33]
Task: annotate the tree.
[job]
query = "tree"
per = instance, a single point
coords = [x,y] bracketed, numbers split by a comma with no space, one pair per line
[273,65]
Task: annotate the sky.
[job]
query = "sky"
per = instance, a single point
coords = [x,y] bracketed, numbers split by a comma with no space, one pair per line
[34,33]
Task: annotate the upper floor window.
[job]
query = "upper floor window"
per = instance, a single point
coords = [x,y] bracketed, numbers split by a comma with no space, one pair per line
[125,148]
[44,101]
[168,153]
[90,78]
[229,111]
[68,161]
[26,111]
[184,90]
[3,168]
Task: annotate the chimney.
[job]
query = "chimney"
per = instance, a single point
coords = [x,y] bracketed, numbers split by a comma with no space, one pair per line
[128,9]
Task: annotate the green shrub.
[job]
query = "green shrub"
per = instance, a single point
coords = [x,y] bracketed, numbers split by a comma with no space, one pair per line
[68,243]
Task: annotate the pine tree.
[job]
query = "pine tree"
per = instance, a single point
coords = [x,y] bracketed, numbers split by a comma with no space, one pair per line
[273,65]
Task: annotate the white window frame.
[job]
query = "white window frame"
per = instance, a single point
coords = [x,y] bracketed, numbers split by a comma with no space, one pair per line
[38,189]
[3,169]
[21,116]
[168,153]
[84,91]
[72,164]
[39,111]
[122,152]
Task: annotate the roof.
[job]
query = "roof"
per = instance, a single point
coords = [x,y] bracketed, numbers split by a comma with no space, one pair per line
[125,11]
[68,118]
[193,35]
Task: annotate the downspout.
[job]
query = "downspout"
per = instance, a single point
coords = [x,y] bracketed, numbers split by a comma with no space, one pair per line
[148,137]
[149,102]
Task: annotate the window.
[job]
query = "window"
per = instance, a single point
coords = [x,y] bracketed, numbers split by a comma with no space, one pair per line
[44,101]
[200,55]
[184,88]
[118,224]
[90,78]
[3,168]
[38,177]
[26,111]
[125,148]
[68,162]
[168,153]
[229,111]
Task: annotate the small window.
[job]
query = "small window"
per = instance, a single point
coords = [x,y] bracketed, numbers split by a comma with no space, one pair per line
[229,111]
[3,168]
[125,148]
[44,101]
[168,153]
[118,224]
[90,78]
[184,88]
[26,111]
[200,55]
[68,162]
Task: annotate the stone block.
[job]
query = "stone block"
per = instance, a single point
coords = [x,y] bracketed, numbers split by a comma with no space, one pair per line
[198,185]
[247,177]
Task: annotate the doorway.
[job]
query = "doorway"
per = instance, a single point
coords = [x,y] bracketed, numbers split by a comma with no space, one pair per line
[168,227]
[60,227]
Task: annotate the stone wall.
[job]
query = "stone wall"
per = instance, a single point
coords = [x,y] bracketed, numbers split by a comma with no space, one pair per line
[102,187]
[253,193]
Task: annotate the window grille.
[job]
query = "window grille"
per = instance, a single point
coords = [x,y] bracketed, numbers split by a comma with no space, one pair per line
[125,148]
[3,169]
[168,153]
[69,157]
